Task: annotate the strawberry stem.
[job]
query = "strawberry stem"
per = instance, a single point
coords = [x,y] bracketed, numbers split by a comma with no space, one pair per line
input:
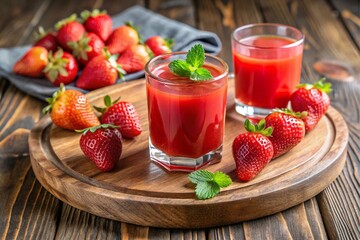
[93,129]
[108,103]
[258,128]
[288,111]
[320,85]
[53,99]
[63,22]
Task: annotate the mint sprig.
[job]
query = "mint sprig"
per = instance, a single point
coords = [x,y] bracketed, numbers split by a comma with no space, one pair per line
[192,66]
[208,184]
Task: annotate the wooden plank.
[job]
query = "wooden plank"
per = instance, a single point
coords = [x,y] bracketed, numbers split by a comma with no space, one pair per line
[328,39]
[180,10]
[349,12]
[20,17]
[222,20]
[76,224]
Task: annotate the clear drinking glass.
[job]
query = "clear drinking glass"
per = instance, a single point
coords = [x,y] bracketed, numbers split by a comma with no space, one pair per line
[186,118]
[267,65]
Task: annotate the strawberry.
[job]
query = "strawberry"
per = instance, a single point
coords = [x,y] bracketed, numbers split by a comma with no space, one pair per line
[101,71]
[159,45]
[134,58]
[121,114]
[88,47]
[98,22]
[69,30]
[103,145]
[122,38]
[252,150]
[61,68]
[46,40]
[288,130]
[71,110]
[32,63]
[313,99]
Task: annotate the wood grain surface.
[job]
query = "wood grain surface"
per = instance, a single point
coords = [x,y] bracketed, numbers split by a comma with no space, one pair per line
[140,192]
[30,212]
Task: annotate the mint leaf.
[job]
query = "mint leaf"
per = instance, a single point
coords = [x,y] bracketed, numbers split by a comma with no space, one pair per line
[200,74]
[196,56]
[180,68]
[208,184]
[191,68]
[206,190]
[201,176]
[222,179]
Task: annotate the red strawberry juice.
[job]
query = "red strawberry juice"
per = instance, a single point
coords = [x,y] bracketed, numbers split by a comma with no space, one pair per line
[186,118]
[265,77]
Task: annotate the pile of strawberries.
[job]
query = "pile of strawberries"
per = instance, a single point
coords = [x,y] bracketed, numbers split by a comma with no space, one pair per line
[101,140]
[89,43]
[280,131]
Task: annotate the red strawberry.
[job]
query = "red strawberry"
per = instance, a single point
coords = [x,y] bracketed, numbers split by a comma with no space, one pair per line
[97,22]
[46,40]
[70,109]
[121,114]
[32,63]
[288,130]
[252,150]
[103,145]
[122,38]
[101,71]
[61,68]
[159,45]
[134,58]
[69,30]
[312,99]
[88,47]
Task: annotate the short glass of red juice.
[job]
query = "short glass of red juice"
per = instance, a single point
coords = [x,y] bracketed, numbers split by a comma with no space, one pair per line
[267,65]
[186,117]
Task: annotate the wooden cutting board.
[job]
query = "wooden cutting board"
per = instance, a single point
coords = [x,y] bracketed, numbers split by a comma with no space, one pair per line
[140,192]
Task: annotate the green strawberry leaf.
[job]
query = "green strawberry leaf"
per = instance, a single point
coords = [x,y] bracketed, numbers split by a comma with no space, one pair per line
[191,67]
[180,68]
[206,190]
[222,179]
[196,56]
[107,101]
[201,176]
[200,74]
[208,184]
[258,128]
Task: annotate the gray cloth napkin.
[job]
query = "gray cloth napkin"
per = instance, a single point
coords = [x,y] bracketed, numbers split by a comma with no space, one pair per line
[150,24]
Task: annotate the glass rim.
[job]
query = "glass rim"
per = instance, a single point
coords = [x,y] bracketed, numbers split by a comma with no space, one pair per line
[294,44]
[165,81]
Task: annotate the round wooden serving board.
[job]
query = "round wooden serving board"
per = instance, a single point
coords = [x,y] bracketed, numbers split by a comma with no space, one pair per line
[140,192]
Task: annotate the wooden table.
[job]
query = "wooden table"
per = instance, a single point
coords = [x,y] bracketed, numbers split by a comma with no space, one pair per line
[332,30]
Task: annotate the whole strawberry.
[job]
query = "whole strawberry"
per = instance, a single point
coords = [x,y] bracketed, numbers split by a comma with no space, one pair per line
[69,30]
[122,38]
[252,150]
[313,99]
[46,40]
[33,63]
[134,58]
[71,110]
[159,45]
[121,114]
[101,71]
[103,145]
[88,47]
[288,130]
[98,22]
[61,68]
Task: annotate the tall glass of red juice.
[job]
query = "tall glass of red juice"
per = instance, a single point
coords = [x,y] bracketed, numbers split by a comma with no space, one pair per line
[186,118]
[267,65]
